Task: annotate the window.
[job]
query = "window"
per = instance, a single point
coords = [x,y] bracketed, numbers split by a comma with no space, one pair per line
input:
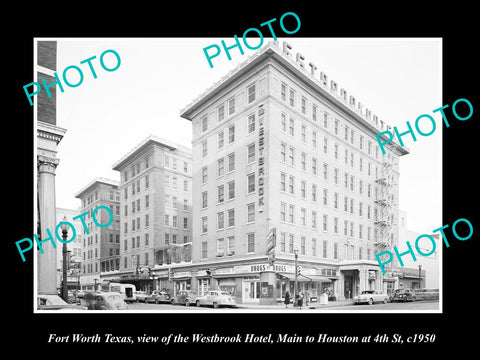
[291,212]
[325,218]
[291,128]
[283,241]
[167,161]
[283,91]
[185,185]
[250,212]
[251,183]
[360,186]
[231,106]
[346,132]
[220,167]
[283,152]
[302,245]
[314,139]
[314,219]
[325,145]
[251,242]
[346,156]
[351,136]
[220,220]
[185,167]
[204,175]
[231,162]
[231,245]
[335,251]
[325,243]
[147,220]
[185,204]
[204,249]
[351,159]
[346,181]
[325,197]
[204,199]
[284,122]
[147,201]
[325,120]
[345,227]
[283,181]
[220,193]
[251,93]
[351,228]
[174,182]
[204,224]
[126,210]
[335,225]
[314,192]
[220,139]
[304,105]
[291,240]
[345,203]
[204,121]
[250,153]
[303,161]
[174,202]
[314,166]
[325,171]
[360,231]
[174,164]
[314,112]
[291,184]
[185,223]
[303,186]
[335,200]
[220,247]
[303,217]
[336,127]
[292,97]
[231,134]
[231,190]
[283,209]
[204,148]
[231,217]
[336,151]
[221,112]
[360,164]
[251,123]
[314,247]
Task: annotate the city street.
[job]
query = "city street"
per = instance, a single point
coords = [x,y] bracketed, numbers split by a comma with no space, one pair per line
[409,306]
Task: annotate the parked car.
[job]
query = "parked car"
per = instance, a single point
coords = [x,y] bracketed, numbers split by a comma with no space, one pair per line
[105,301]
[54,302]
[141,296]
[185,297]
[403,295]
[216,298]
[158,297]
[370,297]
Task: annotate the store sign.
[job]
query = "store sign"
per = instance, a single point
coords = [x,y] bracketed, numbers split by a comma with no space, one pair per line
[182,274]
[261,159]
[254,268]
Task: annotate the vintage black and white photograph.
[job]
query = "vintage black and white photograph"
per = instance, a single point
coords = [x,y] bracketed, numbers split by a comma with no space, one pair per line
[264,180]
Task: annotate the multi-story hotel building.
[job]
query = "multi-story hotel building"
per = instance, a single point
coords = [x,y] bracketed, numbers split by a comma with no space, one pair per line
[277,149]
[156,222]
[100,245]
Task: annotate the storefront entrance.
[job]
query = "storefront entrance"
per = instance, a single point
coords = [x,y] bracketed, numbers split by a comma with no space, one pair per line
[348,287]
[251,290]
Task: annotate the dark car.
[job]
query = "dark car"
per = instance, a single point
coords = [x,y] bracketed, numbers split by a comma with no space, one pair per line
[185,297]
[104,301]
[403,295]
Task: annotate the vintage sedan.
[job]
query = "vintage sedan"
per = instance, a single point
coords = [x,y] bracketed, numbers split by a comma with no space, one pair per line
[216,298]
[185,297]
[403,295]
[370,297]
[141,296]
[54,302]
[158,297]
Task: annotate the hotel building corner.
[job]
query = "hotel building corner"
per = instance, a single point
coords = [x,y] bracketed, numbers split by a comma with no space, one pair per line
[276,149]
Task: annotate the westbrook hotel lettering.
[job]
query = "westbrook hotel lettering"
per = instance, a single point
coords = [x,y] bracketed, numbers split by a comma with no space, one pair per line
[261,159]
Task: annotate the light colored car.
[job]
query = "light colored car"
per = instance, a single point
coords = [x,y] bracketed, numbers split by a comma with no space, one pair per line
[370,297]
[185,297]
[109,301]
[158,297]
[216,298]
[54,302]
[141,296]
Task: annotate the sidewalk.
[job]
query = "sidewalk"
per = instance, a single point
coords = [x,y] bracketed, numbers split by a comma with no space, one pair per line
[281,306]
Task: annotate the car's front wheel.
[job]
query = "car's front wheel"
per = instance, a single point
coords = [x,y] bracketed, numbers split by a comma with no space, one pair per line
[370,301]
[215,305]
[198,303]
[385,301]
[187,303]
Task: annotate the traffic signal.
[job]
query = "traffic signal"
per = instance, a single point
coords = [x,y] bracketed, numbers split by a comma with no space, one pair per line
[299,270]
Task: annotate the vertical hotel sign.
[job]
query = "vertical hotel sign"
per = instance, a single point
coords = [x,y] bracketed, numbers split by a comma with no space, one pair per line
[261,159]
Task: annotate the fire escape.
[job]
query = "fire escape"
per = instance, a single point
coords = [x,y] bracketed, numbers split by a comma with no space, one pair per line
[384,219]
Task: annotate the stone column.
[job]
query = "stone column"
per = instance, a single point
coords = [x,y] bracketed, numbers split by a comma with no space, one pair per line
[48,137]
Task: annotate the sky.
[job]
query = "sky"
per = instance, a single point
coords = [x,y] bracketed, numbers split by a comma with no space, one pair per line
[398,79]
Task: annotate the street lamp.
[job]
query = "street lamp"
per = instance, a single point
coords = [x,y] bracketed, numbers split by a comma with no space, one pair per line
[419,276]
[295,251]
[64,228]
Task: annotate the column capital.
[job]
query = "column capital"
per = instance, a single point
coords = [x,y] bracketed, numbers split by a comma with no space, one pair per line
[47,163]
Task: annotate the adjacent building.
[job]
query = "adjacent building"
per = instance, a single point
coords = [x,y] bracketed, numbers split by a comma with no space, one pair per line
[156,214]
[287,170]
[100,245]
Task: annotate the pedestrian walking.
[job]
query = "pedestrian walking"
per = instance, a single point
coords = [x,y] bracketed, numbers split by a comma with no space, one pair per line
[287,298]
[300,300]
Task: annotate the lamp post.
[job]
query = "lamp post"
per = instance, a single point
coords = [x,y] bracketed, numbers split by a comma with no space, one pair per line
[295,251]
[64,228]
[419,276]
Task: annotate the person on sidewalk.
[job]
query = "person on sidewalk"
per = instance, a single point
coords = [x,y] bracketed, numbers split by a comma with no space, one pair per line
[287,298]
[300,300]
[307,297]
